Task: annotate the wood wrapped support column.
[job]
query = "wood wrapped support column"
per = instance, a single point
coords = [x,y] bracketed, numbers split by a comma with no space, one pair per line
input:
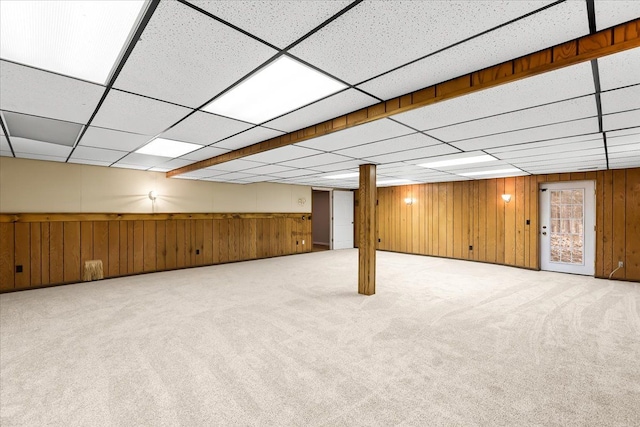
[367,197]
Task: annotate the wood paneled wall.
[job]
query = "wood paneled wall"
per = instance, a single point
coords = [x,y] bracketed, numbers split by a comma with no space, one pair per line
[469,220]
[52,249]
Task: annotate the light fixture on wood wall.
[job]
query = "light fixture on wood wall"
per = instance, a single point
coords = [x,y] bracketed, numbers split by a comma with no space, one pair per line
[153,195]
[506,198]
[409,200]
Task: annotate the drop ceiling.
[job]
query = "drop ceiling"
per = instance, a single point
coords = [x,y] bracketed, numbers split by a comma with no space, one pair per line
[583,117]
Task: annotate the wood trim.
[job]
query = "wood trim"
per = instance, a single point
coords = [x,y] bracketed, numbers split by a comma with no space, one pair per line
[587,48]
[60,217]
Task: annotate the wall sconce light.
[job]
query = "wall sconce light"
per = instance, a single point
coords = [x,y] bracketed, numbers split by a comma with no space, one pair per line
[302,201]
[153,195]
[409,200]
[506,198]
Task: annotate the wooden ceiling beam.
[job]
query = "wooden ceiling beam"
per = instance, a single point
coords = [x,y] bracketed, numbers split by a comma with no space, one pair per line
[587,48]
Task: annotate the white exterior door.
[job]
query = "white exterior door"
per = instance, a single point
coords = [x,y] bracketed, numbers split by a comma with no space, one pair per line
[342,220]
[567,227]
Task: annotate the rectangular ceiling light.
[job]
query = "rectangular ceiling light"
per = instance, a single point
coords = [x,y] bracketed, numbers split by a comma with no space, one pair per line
[343,176]
[393,181]
[168,148]
[280,87]
[459,161]
[491,172]
[81,39]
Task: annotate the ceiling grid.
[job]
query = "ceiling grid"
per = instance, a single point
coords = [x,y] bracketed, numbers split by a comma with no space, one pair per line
[184,55]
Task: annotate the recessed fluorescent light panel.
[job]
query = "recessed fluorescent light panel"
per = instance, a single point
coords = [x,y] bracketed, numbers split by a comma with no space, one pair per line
[492,172]
[459,161]
[82,39]
[167,148]
[279,88]
[343,176]
[392,181]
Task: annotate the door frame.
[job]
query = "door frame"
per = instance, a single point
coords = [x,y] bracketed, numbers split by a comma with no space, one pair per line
[594,216]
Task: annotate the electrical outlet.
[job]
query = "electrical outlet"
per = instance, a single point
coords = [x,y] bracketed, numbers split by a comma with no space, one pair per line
[303,242]
[620,264]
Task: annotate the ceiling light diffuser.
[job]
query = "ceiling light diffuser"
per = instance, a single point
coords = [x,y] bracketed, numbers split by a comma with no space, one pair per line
[167,148]
[81,39]
[459,161]
[392,181]
[491,172]
[279,88]
[343,176]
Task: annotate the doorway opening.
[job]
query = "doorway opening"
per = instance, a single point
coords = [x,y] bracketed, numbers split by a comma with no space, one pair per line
[321,219]
[567,227]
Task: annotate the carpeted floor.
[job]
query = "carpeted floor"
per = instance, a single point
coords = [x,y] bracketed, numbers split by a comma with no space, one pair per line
[288,341]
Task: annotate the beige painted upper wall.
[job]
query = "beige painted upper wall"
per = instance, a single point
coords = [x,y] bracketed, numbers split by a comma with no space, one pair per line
[39,186]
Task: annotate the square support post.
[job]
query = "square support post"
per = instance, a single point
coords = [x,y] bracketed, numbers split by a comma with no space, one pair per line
[367,200]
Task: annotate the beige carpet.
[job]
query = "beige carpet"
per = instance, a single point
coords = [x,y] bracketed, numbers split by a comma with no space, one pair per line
[287,341]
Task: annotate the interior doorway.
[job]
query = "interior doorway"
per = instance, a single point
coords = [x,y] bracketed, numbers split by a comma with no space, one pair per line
[567,227]
[321,219]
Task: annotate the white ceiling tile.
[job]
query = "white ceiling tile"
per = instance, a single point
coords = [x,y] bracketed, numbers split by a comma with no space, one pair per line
[621,99]
[622,150]
[232,176]
[40,157]
[623,139]
[205,128]
[402,143]
[559,130]
[28,146]
[113,139]
[550,27]
[434,150]
[548,148]
[202,173]
[126,166]
[292,173]
[186,57]
[4,144]
[560,157]
[269,169]
[546,143]
[248,137]
[171,164]
[333,167]
[619,69]
[90,162]
[40,93]
[282,154]
[621,120]
[358,135]
[554,86]
[277,22]
[573,109]
[625,164]
[323,110]
[376,36]
[141,160]
[234,166]
[203,154]
[318,160]
[132,113]
[492,165]
[98,154]
[623,132]
[613,12]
